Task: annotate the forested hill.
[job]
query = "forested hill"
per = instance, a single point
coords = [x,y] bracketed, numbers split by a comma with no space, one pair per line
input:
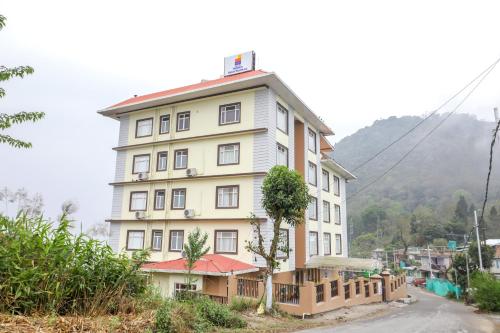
[453,161]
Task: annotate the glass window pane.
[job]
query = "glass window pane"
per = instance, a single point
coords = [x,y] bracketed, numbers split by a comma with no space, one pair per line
[138,201]
[141,163]
[312,141]
[164,124]
[144,127]
[135,240]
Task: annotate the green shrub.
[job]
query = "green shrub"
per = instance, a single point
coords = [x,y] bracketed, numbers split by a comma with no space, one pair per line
[486,291]
[241,304]
[46,269]
[218,314]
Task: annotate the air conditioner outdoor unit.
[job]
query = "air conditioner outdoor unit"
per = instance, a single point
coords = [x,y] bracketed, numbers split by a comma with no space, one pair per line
[140,215]
[188,212]
[142,175]
[191,172]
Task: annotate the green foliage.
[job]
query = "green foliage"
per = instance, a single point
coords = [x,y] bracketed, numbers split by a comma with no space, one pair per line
[195,315]
[487,255]
[6,120]
[460,270]
[195,249]
[45,269]
[241,304]
[486,291]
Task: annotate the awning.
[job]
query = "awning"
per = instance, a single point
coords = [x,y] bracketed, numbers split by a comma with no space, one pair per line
[344,264]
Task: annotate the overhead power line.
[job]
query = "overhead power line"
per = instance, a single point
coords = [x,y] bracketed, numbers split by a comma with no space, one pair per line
[424,119]
[485,74]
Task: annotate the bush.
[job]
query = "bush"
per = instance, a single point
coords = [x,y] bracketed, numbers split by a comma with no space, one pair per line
[46,269]
[486,291]
[195,315]
[241,304]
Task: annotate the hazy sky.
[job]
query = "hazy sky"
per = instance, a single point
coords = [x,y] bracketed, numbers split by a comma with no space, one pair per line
[352,62]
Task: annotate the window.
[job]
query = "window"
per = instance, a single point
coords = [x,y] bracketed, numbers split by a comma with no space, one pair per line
[326,211]
[311,174]
[178,198]
[281,118]
[337,214]
[138,201]
[156,240]
[183,121]
[164,124]
[334,287]
[283,243]
[159,199]
[176,241]
[226,241]
[375,288]
[347,291]
[144,127]
[338,244]
[313,243]
[135,239]
[312,141]
[327,244]
[325,180]
[181,159]
[228,154]
[182,287]
[281,155]
[313,209]
[336,185]
[358,287]
[161,161]
[227,196]
[141,163]
[229,114]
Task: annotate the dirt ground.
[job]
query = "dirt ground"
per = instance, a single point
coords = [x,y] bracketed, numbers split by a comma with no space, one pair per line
[145,321]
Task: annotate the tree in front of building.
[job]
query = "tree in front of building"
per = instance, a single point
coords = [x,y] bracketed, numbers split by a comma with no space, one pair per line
[285,198]
[7,120]
[194,250]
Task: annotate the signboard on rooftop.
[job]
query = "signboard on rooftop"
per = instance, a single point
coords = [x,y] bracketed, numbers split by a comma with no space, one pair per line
[239,63]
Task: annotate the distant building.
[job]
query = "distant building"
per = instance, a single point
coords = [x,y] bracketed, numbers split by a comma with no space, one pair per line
[495,264]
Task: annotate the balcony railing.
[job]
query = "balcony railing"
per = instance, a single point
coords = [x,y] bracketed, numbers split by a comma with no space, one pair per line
[287,293]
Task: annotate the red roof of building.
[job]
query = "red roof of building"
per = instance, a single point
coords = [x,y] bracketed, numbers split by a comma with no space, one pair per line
[203,84]
[209,264]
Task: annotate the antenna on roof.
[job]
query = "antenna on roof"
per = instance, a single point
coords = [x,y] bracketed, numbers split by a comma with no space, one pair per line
[135,96]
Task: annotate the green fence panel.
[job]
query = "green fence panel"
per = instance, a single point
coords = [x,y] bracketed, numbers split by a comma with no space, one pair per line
[442,287]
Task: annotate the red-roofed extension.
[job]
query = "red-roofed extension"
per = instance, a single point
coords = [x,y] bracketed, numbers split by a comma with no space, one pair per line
[201,85]
[209,264]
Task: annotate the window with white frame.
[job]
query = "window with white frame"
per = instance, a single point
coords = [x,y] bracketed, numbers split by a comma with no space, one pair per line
[181,159]
[325,180]
[135,239]
[229,154]
[281,118]
[326,211]
[164,124]
[182,287]
[327,244]
[312,140]
[159,199]
[141,163]
[336,185]
[338,243]
[282,244]
[161,163]
[144,127]
[227,196]
[138,201]
[337,214]
[178,198]
[183,121]
[156,240]
[311,174]
[281,155]
[313,243]
[176,240]
[229,113]
[226,241]
[312,209]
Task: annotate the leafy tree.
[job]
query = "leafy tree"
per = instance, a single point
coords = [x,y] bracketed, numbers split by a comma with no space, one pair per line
[194,249]
[371,219]
[493,213]
[486,291]
[363,245]
[459,263]
[285,198]
[6,120]
[487,255]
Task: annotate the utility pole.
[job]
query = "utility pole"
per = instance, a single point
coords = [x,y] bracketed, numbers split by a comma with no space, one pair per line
[430,262]
[394,257]
[478,242]
[497,114]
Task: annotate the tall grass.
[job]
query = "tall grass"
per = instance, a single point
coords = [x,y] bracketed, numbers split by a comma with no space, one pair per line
[46,269]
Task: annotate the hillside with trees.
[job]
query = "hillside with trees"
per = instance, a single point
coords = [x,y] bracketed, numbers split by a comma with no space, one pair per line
[429,196]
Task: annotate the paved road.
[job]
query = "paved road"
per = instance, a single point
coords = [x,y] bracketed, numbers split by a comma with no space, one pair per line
[431,314]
